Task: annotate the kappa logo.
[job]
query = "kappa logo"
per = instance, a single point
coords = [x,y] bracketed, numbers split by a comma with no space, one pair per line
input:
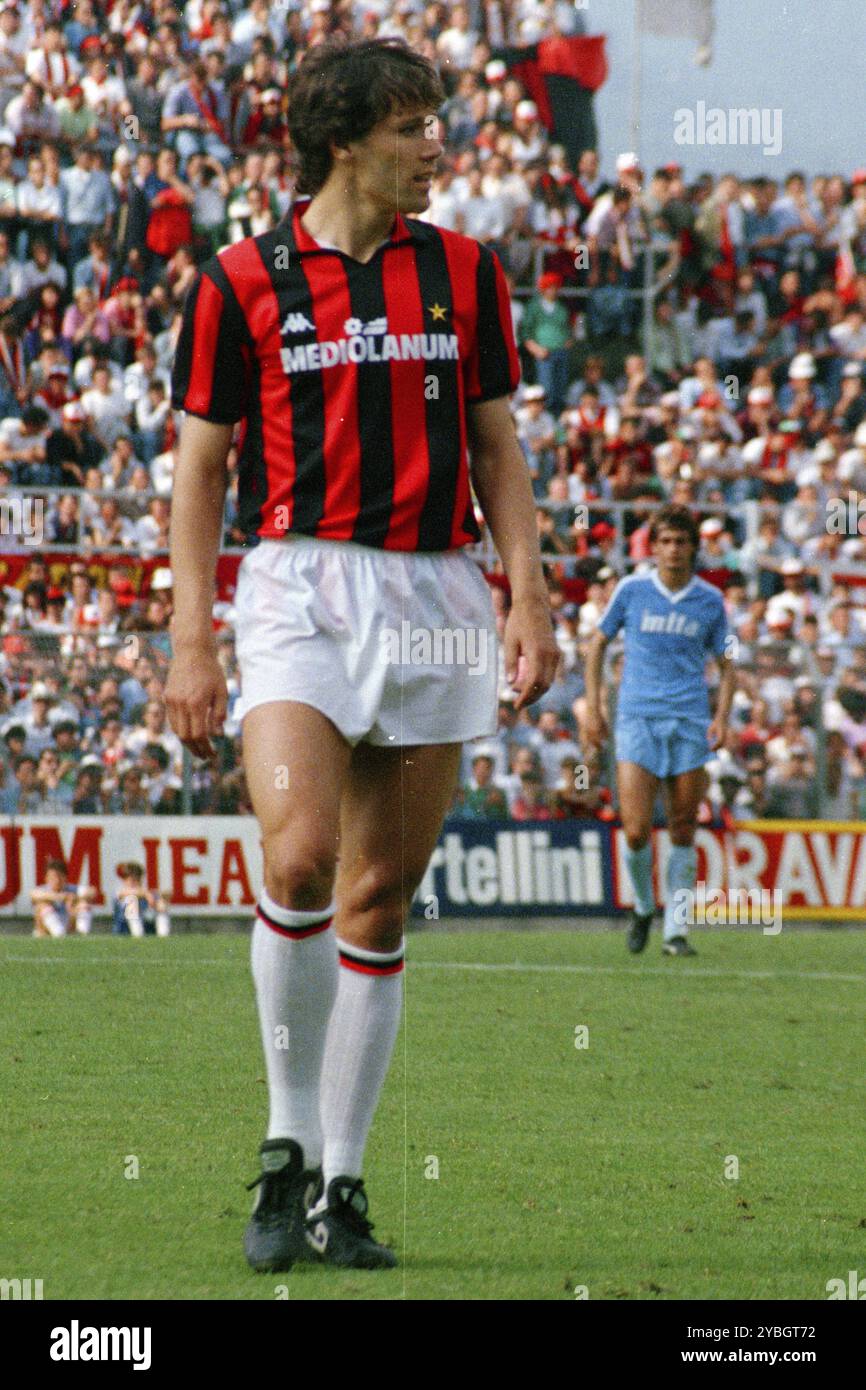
[296,323]
[353,326]
[318,1237]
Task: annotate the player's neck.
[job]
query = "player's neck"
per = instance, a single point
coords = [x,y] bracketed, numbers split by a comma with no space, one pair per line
[674,580]
[339,218]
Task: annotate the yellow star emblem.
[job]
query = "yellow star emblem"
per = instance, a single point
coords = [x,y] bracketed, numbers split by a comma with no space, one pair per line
[437,310]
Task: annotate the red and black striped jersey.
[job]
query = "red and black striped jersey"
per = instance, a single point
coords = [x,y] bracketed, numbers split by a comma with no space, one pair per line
[350,379]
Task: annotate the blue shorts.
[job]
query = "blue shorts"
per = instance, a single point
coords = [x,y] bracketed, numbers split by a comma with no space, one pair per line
[664,747]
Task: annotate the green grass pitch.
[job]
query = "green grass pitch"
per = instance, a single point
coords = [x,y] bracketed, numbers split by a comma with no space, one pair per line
[606,1166]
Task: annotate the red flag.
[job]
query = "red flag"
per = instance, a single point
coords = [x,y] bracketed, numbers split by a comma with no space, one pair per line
[560,74]
[584,59]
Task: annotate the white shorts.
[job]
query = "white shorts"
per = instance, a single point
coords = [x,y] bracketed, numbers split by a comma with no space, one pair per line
[393,647]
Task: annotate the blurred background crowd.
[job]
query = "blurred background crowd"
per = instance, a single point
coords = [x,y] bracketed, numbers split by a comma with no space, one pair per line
[699,340]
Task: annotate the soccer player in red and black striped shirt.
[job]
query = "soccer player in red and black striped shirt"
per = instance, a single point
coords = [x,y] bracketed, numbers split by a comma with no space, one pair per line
[365,359]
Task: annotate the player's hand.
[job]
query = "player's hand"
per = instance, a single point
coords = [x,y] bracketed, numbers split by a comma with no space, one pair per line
[196,699]
[531,651]
[595,728]
[716,733]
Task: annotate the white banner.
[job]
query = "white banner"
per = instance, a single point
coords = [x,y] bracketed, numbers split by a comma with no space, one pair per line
[679,19]
[206,867]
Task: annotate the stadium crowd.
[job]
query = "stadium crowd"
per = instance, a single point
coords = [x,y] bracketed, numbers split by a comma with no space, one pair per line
[136,139]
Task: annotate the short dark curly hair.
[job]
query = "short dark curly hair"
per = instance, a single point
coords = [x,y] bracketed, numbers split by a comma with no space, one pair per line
[674,518]
[342,90]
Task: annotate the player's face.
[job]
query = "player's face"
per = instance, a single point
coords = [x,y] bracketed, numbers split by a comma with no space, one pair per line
[674,554]
[396,162]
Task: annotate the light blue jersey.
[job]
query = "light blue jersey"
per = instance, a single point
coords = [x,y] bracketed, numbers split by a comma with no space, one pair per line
[668,637]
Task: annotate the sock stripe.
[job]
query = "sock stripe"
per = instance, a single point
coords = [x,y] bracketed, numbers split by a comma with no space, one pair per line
[295,933]
[368,967]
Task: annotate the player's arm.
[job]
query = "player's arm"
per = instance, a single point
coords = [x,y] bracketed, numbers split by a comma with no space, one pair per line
[501,480]
[719,725]
[595,725]
[196,696]
[48,895]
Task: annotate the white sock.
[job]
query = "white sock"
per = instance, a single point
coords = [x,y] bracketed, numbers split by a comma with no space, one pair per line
[132,913]
[163,924]
[53,920]
[294,960]
[681,873]
[639,867]
[360,1042]
[83,919]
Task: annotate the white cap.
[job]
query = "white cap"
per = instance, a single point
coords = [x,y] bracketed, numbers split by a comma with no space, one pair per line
[792,567]
[824,452]
[712,526]
[802,368]
[526,111]
[860,435]
[627,161]
[161,579]
[534,393]
[122,155]
[74,410]
[40,691]
[495,70]
[63,716]
[852,369]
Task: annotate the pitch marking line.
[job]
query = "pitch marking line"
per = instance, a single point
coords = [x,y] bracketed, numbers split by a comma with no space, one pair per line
[710,974]
[492,967]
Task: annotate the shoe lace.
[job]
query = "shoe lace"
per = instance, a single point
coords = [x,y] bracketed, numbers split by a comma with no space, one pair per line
[354,1216]
[276,1191]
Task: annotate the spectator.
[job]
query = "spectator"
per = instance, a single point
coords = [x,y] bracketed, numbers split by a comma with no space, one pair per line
[170,223]
[105,406]
[94,269]
[31,119]
[137,910]
[196,116]
[152,529]
[14,47]
[546,335]
[79,125]
[88,201]
[87,797]
[532,802]
[23,797]
[55,794]
[482,799]
[59,907]
[130,798]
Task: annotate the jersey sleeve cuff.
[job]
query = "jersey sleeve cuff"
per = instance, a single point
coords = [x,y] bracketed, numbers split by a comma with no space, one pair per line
[493,395]
[211,416]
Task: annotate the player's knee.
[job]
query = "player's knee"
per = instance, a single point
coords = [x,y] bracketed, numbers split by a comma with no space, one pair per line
[376,903]
[299,872]
[636,836]
[681,832]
